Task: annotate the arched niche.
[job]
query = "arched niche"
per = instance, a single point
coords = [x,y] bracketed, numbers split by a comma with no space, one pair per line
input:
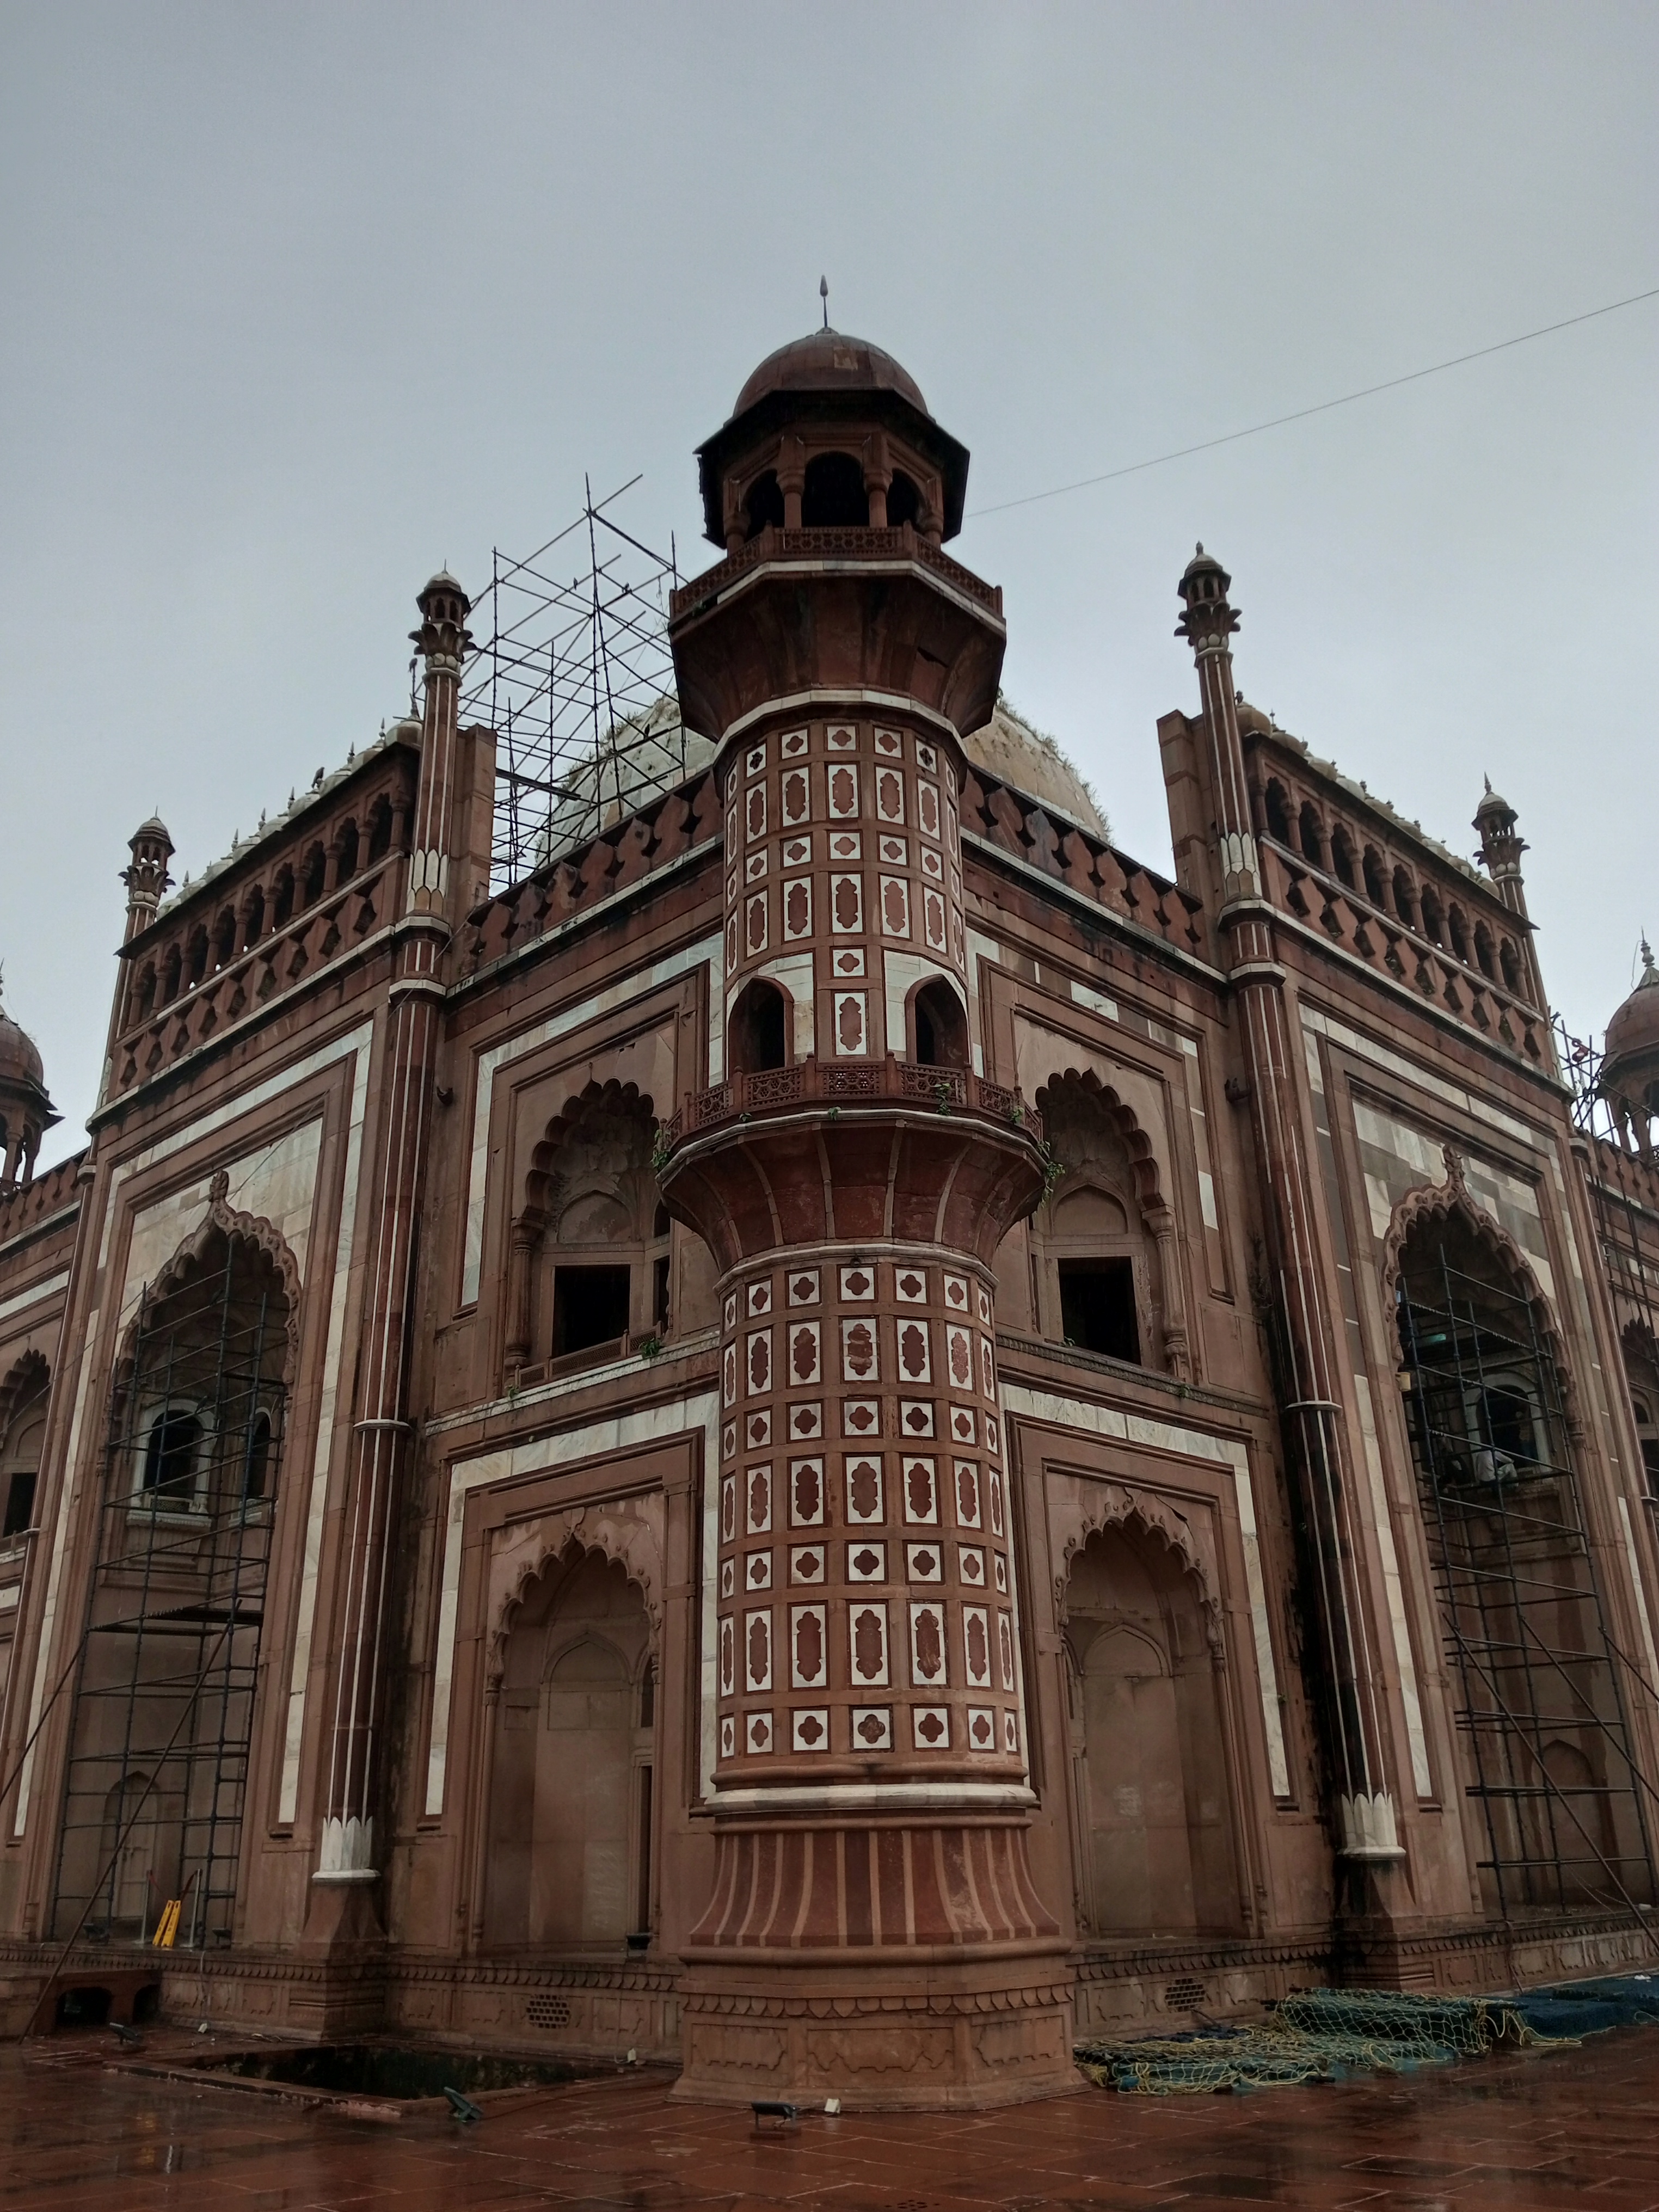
[1151,1795]
[24,1396]
[567,1841]
[1641,1358]
[1106,1275]
[162,1724]
[1489,1405]
[588,1267]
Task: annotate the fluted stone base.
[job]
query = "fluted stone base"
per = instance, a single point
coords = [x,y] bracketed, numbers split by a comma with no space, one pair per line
[897,1965]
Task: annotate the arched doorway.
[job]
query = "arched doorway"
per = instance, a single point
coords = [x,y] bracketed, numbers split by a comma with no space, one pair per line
[1152,1798]
[1542,1735]
[569,1856]
[157,1779]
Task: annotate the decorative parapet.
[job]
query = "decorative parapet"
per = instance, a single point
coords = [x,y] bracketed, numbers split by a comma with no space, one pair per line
[851,544]
[837,1084]
[1358,926]
[998,815]
[303,893]
[277,962]
[51,1192]
[585,874]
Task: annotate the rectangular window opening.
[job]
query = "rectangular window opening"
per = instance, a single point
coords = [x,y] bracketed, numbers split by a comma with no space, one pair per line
[20,1506]
[1097,1307]
[590,1307]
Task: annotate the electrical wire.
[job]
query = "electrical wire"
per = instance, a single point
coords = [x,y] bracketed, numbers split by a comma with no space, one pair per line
[1322,407]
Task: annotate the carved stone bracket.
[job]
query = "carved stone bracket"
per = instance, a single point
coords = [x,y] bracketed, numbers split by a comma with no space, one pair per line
[628,1531]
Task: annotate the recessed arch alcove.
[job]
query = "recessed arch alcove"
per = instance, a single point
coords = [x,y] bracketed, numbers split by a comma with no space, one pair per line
[568,1850]
[1151,1795]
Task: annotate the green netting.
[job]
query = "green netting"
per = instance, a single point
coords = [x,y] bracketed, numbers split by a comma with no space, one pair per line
[1319,2035]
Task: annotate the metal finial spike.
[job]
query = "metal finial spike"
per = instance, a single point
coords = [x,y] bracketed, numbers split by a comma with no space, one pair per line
[823,294]
[1486,779]
[1198,549]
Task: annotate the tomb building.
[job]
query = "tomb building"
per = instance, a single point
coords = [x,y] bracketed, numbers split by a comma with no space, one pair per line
[835,1433]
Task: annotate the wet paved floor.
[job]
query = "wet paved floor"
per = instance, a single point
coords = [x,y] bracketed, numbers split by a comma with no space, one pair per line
[1576,2129]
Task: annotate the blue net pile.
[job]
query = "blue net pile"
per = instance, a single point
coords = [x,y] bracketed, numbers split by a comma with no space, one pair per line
[1326,2035]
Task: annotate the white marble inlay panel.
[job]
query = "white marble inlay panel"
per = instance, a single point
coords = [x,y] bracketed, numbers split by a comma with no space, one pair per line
[706,953]
[1479,1108]
[1388,1555]
[653,1424]
[34,1294]
[1189,1443]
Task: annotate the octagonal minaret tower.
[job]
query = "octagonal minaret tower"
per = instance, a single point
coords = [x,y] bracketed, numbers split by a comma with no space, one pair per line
[873,1932]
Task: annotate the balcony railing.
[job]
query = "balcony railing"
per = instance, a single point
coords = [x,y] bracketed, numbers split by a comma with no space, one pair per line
[834,1084]
[898,542]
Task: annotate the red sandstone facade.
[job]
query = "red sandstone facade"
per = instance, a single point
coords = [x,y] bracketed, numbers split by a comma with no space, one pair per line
[846,1431]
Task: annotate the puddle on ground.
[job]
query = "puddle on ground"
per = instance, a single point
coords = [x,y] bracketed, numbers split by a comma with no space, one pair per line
[403,2073]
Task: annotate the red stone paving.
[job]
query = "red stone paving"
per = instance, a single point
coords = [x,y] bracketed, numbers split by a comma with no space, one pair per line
[1578,2129]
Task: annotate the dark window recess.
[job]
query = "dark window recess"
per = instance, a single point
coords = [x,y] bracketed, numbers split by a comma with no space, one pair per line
[660,1294]
[1649,1461]
[757,1035]
[1097,1307]
[764,505]
[590,1307]
[170,1452]
[256,1456]
[941,1028]
[835,497]
[20,1505]
[904,501]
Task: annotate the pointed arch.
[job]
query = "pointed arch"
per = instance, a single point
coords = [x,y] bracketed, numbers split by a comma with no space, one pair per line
[1453,1201]
[28,1377]
[1115,1506]
[223,1219]
[618,1532]
[1157,1268]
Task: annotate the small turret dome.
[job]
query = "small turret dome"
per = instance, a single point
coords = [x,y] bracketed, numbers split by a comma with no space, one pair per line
[828,361]
[1633,1032]
[20,1058]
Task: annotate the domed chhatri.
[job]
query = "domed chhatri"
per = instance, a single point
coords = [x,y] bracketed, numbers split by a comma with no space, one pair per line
[20,1060]
[1629,1064]
[830,432]
[26,1112]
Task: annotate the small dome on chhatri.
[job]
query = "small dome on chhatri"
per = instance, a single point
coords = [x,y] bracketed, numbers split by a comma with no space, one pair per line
[1492,802]
[153,828]
[1633,1032]
[829,360]
[20,1061]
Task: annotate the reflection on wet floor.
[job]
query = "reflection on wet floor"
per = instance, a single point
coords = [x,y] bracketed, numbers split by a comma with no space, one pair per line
[1532,2132]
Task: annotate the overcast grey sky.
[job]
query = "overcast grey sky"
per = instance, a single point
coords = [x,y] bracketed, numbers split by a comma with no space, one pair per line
[301,301]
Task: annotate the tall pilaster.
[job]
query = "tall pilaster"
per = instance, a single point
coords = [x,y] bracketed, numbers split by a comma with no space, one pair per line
[348,1854]
[874,1932]
[1315,1428]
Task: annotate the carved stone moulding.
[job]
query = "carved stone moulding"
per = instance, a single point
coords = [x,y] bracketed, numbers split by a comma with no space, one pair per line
[919,2037]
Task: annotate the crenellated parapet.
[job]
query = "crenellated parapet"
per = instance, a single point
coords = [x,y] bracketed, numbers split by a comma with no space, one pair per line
[580,877]
[54,1191]
[1387,894]
[305,893]
[996,814]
